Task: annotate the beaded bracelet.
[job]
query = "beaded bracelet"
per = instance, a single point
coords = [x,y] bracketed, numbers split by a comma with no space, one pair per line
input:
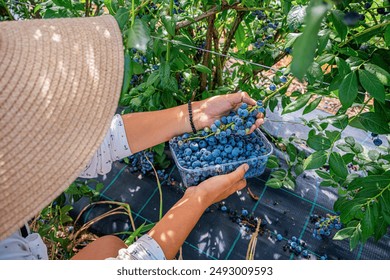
[190,114]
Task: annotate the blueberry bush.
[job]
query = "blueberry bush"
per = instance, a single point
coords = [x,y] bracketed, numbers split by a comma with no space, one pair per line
[178,50]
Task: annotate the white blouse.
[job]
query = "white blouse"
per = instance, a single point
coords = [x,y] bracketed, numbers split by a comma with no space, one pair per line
[114,147]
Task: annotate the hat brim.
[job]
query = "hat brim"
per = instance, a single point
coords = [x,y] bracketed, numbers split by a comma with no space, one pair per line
[60,81]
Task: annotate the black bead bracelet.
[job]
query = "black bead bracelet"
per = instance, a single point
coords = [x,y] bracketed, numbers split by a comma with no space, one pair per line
[190,114]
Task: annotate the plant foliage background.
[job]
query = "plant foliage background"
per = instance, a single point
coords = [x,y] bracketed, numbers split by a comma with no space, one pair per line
[180,50]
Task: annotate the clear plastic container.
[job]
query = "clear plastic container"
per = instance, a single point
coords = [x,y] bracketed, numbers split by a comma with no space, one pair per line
[192,177]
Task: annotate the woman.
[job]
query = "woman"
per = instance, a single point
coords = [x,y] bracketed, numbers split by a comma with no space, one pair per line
[60,82]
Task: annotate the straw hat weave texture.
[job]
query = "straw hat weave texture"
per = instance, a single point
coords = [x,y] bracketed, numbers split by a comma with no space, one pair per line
[60,81]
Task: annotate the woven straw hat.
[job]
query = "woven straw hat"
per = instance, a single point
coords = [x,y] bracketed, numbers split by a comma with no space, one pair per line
[60,81]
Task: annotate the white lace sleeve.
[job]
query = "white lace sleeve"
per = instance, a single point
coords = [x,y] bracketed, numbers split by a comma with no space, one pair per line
[114,147]
[145,248]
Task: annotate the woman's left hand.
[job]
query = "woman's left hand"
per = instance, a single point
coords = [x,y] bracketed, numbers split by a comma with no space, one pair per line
[207,111]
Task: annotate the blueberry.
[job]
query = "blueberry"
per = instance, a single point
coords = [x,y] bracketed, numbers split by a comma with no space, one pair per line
[377,142]
[381,11]
[294,239]
[367,5]
[279,237]
[272,87]
[283,79]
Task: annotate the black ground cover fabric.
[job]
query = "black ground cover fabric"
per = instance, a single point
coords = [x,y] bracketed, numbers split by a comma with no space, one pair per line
[216,236]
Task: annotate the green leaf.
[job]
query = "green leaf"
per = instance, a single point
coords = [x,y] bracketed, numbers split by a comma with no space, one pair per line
[323,41]
[348,90]
[318,142]
[165,73]
[274,183]
[288,183]
[373,155]
[279,174]
[167,99]
[372,85]
[169,24]
[64,3]
[337,165]
[348,158]
[368,222]
[355,238]
[290,39]
[273,162]
[324,175]
[337,20]
[297,104]
[349,209]
[333,135]
[370,181]
[203,69]
[133,235]
[126,75]
[296,17]
[122,17]
[342,66]
[138,36]
[240,37]
[381,74]
[291,151]
[152,79]
[380,228]
[374,122]
[298,169]
[159,149]
[312,105]
[325,58]
[110,7]
[382,109]
[350,141]
[305,46]
[315,160]
[286,6]
[344,233]
[314,73]
[387,36]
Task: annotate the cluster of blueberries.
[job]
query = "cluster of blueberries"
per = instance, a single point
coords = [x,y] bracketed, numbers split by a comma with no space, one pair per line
[282,79]
[221,148]
[267,33]
[138,56]
[380,10]
[295,245]
[177,9]
[136,79]
[242,217]
[351,18]
[139,162]
[323,226]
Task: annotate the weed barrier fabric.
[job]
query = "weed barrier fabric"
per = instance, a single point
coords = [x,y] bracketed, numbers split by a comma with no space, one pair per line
[216,236]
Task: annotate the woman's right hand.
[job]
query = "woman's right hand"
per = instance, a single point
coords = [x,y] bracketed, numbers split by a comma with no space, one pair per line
[219,187]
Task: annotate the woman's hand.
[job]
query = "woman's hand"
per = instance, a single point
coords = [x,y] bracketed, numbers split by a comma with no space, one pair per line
[219,187]
[213,108]
[171,231]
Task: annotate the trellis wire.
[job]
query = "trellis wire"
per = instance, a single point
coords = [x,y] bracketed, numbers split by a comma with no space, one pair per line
[230,56]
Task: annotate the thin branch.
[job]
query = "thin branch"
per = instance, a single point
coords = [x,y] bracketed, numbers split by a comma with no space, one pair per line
[87,7]
[206,56]
[218,65]
[214,10]
[229,39]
